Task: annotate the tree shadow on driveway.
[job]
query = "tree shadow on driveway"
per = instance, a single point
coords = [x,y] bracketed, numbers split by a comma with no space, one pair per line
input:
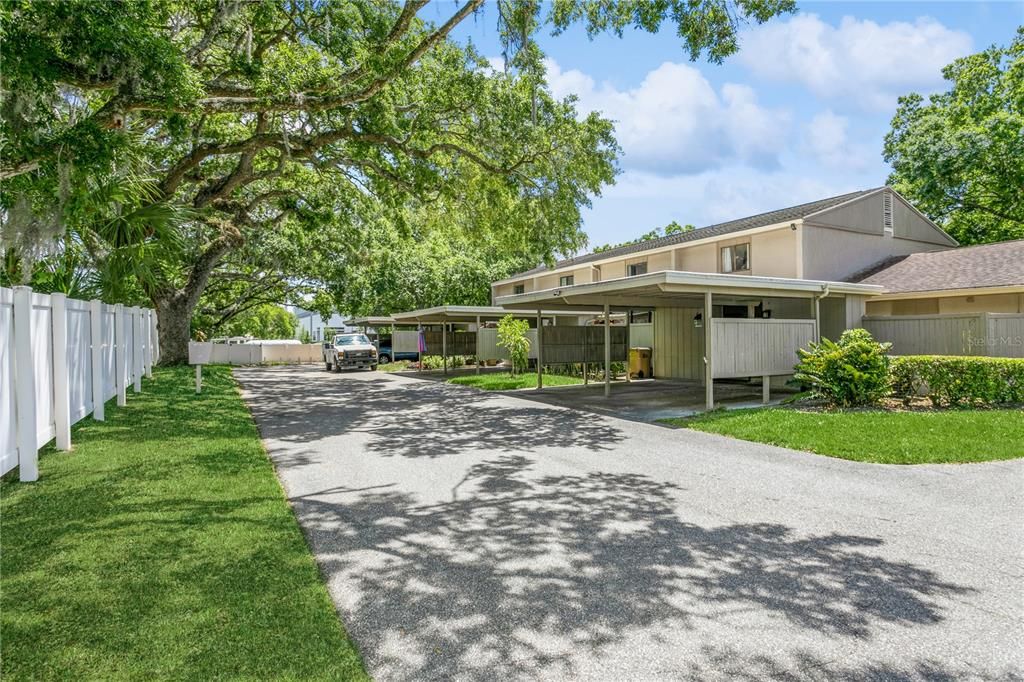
[412,418]
[522,575]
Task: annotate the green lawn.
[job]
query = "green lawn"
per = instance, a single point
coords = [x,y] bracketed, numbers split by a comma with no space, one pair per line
[503,381]
[162,547]
[875,436]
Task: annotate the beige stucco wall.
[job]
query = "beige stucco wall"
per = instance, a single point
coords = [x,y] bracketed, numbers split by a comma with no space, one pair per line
[947,305]
[835,255]
[774,254]
[699,258]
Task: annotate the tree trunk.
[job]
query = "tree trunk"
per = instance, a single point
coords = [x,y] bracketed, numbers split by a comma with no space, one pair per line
[174,307]
[174,325]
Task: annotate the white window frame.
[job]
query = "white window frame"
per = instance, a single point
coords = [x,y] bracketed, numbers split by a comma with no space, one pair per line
[566,280]
[727,258]
[630,268]
[518,289]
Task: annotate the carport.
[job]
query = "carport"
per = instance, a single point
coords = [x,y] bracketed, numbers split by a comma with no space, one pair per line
[472,342]
[711,326]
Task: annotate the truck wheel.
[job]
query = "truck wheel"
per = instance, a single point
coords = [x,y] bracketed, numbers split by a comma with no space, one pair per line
[328,368]
[384,359]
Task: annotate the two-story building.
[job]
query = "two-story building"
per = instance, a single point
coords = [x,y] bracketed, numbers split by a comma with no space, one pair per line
[772,281]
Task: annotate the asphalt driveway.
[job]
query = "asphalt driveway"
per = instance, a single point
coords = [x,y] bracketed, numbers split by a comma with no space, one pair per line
[474,536]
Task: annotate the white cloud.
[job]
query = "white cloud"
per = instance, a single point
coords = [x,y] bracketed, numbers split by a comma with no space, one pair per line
[675,121]
[723,194]
[861,61]
[826,138]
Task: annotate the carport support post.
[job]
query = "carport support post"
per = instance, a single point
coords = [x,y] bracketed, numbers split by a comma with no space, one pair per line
[444,346]
[540,350]
[709,383]
[607,352]
[477,344]
[766,389]
[629,314]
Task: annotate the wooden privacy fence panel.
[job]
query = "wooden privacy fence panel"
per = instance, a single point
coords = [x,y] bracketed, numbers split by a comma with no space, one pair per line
[641,335]
[205,353]
[61,359]
[459,342]
[757,347]
[488,349]
[993,334]
[565,345]
[405,341]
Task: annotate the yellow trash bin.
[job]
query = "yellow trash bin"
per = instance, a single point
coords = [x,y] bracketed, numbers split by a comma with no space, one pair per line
[640,363]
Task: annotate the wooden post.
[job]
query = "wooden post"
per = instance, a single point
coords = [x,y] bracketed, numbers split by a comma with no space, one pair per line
[586,378]
[607,351]
[25,386]
[709,383]
[61,393]
[420,342]
[199,379]
[137,349]
[816,310]
[477,344]
[629,343]
[120,355]
[766,389]
[540,350]
[96,335]
[444,346]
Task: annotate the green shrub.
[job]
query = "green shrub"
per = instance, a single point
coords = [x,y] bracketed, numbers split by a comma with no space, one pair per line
[854,371]
[512,337]
[959,380]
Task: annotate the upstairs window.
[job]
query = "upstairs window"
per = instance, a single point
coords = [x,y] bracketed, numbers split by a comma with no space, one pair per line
[736,258]
[634,269]
[519,289]
[566,280]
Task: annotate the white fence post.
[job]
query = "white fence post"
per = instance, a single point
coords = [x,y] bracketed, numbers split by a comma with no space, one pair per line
[154,334]
[96,336]
[147,358]
[61,391]
[137,349]
[120,359]
[25,386]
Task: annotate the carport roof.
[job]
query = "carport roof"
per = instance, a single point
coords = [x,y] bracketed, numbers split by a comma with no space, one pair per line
[673,288]
[371,321]
[463,313]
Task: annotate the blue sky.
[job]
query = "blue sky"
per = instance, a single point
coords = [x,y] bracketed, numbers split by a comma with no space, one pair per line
[797,114]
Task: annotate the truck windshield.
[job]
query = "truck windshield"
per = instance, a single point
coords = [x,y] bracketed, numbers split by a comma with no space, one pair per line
[351,340]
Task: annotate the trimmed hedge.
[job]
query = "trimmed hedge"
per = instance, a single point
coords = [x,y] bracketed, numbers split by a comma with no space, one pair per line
[958,380]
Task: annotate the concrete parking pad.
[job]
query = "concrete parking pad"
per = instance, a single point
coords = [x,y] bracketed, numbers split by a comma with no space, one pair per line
[476,536]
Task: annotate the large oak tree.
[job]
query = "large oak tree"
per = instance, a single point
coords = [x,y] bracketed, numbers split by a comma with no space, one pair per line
[264,138]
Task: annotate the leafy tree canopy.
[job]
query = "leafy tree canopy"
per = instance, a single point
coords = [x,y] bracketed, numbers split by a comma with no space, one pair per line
[248,146]
[959,156]
[264,321]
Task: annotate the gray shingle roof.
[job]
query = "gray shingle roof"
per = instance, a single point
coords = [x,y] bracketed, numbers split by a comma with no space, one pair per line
[969,267]
[750,222]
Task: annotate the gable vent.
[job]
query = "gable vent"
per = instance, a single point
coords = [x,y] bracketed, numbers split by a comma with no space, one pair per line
[887,212]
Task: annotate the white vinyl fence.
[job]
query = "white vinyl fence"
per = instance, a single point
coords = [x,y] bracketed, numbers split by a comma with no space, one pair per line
[205,353]
[61,359]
